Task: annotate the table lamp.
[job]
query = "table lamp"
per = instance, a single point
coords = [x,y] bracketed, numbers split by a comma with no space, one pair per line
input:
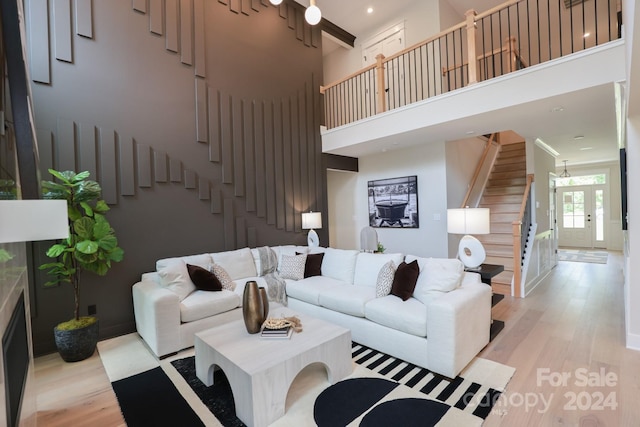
[311,220]
[469,221]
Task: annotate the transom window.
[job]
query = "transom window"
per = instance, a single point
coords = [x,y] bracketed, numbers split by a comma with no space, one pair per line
[581,180]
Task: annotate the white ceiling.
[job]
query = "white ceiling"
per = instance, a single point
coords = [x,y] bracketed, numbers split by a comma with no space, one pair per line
[590,113]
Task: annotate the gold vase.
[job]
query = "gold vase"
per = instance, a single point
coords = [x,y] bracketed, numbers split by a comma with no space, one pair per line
[252,307]
[265,303]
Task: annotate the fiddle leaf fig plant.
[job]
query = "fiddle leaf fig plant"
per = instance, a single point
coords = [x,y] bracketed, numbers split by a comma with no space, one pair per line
[92,244]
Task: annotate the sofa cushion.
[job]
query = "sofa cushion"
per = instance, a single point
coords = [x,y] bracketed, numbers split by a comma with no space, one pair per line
[368,266]
[292,266]
[203,279]
[308,290]
[437,277]
[313,265]
[201,260]
[407,316]
[175,277]
[404,280]
[339,264]
[385,279]
[200,304]
[239,263]
[221,274]
[347,299]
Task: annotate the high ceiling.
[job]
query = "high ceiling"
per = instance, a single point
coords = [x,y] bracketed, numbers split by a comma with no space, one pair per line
[583,132]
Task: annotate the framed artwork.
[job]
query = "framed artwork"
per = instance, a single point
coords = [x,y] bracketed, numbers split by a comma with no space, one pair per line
[393,202]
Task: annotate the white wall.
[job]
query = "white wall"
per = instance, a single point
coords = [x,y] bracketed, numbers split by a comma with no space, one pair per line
[428,163]
[544,163]
[343,233]
[421,20]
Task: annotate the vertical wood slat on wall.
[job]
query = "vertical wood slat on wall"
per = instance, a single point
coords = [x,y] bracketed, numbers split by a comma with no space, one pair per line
[171,25]
[227,143]
[203,189]
[156,13]
[279,166]
[249,157]
[88,160]
[234,6]
[62,30]
[199,37]
[202,132]
[260,174]
[295,165]
[45,150]
[84,18]
[238,149]
[175,170]
[213,101]
[186,32]
[252,237]
[39,41]
[287,175]
[229,225]
[160,166]
[66,142]
[270,180]
[189,179]
[241,232]
[303,159]
[300,25]
[245,7]
[140,5]
[309,143]
[127,173]
[144,165]
[216,201]
[108,165]
[317,146]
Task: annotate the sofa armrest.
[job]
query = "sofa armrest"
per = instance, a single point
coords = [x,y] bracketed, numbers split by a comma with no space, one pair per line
[458,326]
[157,315]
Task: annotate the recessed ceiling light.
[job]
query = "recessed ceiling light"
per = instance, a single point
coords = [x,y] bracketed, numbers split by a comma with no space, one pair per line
[557,109]
[578,137]
[369,10]
[586,148]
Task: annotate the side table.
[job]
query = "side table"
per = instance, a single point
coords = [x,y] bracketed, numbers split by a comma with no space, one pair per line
[487,272]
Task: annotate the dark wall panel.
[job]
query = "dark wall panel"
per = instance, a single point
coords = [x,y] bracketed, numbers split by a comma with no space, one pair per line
[229,225]
[214,125]
[260,166]
[203,188]
[84,18]
[202,117]
[172,26]
[287,170]
[127,173]
[269,162]
[88,159]
[39,41]
[144,165]
[156,16]
[175,170]
[190,179]
[62,30]
[241,232]
[45,150]
[226,123]
[238,148]
[108,171]
[186,31]
[199,38]
[140,5]
[160,166]
[279,164]
[249,156]
[66,159]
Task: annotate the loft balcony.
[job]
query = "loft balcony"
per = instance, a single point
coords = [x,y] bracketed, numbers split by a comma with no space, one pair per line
[520,42]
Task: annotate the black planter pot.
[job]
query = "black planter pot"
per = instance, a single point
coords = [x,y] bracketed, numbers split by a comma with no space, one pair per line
[76,344]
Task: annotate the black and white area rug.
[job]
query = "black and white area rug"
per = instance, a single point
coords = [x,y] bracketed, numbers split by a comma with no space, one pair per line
[381,390]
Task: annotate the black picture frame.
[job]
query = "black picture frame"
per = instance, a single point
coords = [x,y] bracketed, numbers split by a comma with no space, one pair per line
[393,202]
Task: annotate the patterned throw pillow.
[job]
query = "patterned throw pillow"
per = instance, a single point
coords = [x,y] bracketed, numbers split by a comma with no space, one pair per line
[223,277]
[385,279]
[292,266]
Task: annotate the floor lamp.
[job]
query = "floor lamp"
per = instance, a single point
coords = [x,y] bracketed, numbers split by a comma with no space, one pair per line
[469,221]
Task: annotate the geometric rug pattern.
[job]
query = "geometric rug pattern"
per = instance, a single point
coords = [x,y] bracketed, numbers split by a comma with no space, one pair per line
[583,255]
[463,401]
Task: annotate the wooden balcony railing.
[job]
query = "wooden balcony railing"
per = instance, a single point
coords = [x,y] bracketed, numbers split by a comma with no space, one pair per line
[509,37]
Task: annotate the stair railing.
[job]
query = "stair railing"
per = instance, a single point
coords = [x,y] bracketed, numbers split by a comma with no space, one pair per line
[476,186]
[519,238]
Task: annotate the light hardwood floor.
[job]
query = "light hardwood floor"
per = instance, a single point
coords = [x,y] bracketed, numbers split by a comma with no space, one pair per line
[572,325]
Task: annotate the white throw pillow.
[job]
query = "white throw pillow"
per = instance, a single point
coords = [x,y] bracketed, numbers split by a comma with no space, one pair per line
[175,277]
[292,266]
[385,279]
[368,266]
[339,264]
[437,277]
[223,277]
[201,260]
[239,263]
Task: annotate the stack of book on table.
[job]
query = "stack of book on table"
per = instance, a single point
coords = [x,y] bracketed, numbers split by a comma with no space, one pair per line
[277,333]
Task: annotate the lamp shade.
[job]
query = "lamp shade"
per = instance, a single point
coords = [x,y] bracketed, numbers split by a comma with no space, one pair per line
[275,2]
[32,220]
[311,220]
[468,221]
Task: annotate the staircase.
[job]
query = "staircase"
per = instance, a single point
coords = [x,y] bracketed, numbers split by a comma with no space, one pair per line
[503,195]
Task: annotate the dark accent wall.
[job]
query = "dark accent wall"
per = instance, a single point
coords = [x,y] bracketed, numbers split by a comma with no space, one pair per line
[200,119]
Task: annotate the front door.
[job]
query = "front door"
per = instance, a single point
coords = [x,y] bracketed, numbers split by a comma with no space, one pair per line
[576,219]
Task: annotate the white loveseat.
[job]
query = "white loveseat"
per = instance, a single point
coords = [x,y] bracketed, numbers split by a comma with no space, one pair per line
[441,327]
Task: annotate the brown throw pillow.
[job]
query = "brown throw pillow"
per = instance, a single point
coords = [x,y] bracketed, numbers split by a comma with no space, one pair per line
[313,265]
[404,281]
[203,279]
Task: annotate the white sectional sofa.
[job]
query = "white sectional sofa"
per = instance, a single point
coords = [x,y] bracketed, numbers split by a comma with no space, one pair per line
[441,326]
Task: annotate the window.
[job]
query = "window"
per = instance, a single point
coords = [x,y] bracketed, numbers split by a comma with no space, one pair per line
[573,209]
[582,180]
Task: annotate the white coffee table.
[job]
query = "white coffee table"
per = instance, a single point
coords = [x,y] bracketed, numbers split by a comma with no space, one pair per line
[260,371]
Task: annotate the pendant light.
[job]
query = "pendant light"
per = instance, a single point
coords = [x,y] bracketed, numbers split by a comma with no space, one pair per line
[275,2]
[565,174]
[313,15]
